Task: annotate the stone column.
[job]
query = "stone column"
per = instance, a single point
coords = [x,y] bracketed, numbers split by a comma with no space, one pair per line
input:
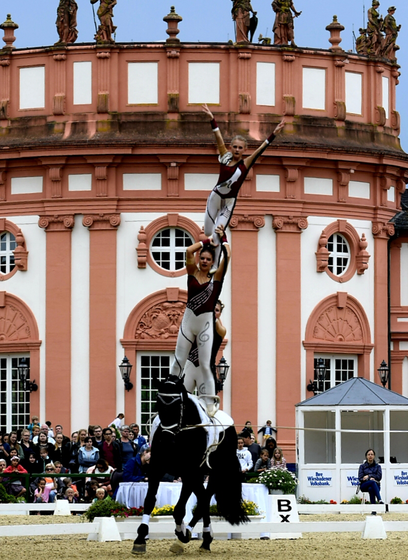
[244,318]
[288,325]
[103,368]
[244,81]
[103,80]
[58,317]
[60,88]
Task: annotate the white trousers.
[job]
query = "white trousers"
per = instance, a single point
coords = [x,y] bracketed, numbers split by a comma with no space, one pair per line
[218,212]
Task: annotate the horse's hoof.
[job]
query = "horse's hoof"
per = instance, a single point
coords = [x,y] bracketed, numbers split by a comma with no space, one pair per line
[204,549]
[177,548]
[139,549]
[184,538]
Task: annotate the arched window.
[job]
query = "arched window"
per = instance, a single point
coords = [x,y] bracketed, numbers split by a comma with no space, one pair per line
[339,258]
[7,245]
[168,248]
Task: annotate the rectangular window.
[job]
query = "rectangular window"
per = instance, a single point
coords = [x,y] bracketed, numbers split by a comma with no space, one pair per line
[314,88]
[200,181]
[151,367]
[318,185]
[364,431]
[32,87]
[14,400]
[338,369]
[82,83]
[359,189]
[320,446]
[385,96]
[26,185]
[265,83]
[354,93]
[203,82]
[142,181]
[143,83]
[399,439]
[80,182]
[268,183]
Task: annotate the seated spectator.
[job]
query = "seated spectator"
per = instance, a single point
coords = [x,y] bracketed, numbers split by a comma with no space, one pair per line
[44,459]
[15,485]
[87,455]
[61,451]
[44,430]
[270,445]
[4,449]
[43,494]
[35,432]
[54,484]
[67,483]
[100,495]
[33,464]
[44,443]
[102,468]
[248,426]
[27,446]
[70,496]
[3,465]
[263,463]
[98,437]
[138,438]
[111,450]
[90,490]
[253,447]
[74,450]
[136,470]
[369,477]
[118,422]
[59,430]
[60,469]
[244,456]
[278,461]
[129,448]
[13,443]
[267,431]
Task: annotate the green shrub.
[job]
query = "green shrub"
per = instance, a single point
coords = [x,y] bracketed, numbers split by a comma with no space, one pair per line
[396,500]
[110,508]
[6,498]
[355,500]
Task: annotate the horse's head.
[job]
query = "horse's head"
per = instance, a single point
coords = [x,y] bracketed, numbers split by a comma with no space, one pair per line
[171,401]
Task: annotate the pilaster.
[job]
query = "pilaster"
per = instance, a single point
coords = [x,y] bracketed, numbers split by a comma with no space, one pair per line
[244,315]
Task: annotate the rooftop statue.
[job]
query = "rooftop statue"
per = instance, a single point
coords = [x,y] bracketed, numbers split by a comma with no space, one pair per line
[283,27]
[67,21]
[244,24]
[361,41]
[374,25]
[105,15]
[391,30]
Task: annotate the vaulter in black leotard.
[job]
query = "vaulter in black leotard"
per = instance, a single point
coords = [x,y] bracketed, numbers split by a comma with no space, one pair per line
[233,171]
[198,319]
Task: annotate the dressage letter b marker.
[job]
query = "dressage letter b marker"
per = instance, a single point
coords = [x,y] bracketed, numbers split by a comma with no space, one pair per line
[284,505]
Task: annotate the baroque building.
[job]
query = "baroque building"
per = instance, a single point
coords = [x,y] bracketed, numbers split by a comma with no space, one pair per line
[106,162]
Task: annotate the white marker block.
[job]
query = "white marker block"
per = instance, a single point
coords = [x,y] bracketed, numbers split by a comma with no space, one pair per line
[62,508]
[374,528]
[283,509]
[108,530]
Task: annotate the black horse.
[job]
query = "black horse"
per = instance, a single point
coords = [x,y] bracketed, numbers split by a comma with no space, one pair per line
[179,447]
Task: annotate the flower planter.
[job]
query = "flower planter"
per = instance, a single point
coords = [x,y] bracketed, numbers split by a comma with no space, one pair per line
[274,491]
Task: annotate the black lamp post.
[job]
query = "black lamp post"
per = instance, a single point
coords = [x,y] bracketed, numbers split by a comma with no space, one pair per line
[24,374]
[125,370]
[383,372]
[317,386]
[222,371]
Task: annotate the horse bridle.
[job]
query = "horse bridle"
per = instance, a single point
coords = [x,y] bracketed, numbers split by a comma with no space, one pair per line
[172,428]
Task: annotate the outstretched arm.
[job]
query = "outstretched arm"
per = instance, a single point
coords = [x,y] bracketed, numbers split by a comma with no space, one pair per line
[190,258]
[222,269]
[218,136]
[250,160]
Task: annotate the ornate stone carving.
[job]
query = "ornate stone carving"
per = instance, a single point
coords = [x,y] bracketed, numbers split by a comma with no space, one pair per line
[162,321]
[14,325]
[56,223]
[363,256]
[246,222]
[322,254]
[289,223]
[338,325]
[383,230]
[142,248]
[20,252]
[340,110]
[101,221]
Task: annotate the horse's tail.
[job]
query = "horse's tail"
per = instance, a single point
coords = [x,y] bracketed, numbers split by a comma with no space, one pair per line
[226,479]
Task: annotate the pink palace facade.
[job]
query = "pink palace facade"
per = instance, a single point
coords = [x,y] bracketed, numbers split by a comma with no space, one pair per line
[106,162]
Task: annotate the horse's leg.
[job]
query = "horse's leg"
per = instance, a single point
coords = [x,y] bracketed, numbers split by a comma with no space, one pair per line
[139,545]
[207,532]
[182,534]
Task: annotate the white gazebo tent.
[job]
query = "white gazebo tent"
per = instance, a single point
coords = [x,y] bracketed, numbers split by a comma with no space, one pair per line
[335,429]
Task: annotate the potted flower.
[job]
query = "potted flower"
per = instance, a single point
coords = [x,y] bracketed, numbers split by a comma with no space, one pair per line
[279,481]
[110,508]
